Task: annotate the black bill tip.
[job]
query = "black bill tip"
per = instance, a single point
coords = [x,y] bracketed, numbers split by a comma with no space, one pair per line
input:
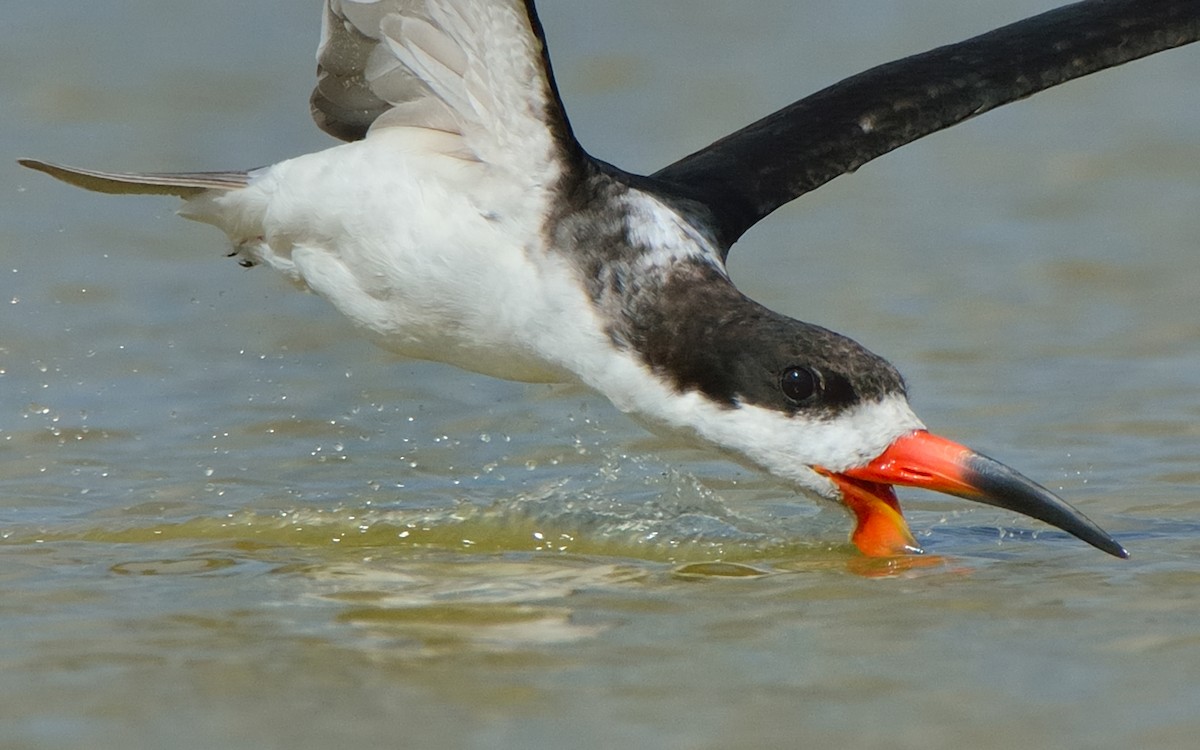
[996,484]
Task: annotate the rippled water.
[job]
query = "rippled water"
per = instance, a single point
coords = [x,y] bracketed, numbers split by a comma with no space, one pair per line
[227,522]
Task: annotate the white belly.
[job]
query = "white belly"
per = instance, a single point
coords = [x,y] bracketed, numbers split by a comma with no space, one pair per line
[435,256]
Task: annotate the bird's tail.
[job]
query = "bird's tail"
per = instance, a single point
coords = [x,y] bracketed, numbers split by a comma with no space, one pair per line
[182,184]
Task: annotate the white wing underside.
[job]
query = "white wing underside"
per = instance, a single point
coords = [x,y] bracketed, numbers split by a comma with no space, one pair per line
[471,73]
[472,68]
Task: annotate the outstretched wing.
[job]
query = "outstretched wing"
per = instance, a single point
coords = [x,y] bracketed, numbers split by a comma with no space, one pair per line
[748,174]
[182,184]
[476,68]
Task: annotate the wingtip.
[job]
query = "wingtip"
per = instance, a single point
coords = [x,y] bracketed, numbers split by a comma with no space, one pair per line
[181,184]
[34,164]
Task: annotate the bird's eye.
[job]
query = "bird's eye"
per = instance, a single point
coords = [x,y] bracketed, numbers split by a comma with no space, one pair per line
[799,384]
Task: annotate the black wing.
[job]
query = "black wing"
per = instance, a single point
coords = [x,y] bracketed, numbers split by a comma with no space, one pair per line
[750,173]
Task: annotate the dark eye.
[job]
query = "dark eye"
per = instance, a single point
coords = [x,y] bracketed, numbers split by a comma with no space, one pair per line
[799,384]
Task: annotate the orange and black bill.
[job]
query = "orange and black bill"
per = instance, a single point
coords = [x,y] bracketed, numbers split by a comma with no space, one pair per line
[921,459]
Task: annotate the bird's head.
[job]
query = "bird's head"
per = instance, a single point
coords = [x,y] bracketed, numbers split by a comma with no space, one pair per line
[818,409]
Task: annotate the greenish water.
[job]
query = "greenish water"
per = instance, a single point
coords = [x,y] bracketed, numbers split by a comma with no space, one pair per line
[227,522]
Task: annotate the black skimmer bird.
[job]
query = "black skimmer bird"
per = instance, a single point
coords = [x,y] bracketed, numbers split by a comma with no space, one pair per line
[462,222]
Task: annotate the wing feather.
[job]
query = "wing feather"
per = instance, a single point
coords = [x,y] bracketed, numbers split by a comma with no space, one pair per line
[746,175]
[477,68]
[182,184]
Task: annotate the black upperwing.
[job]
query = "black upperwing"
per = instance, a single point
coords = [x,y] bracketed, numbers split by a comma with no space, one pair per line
[753,171]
